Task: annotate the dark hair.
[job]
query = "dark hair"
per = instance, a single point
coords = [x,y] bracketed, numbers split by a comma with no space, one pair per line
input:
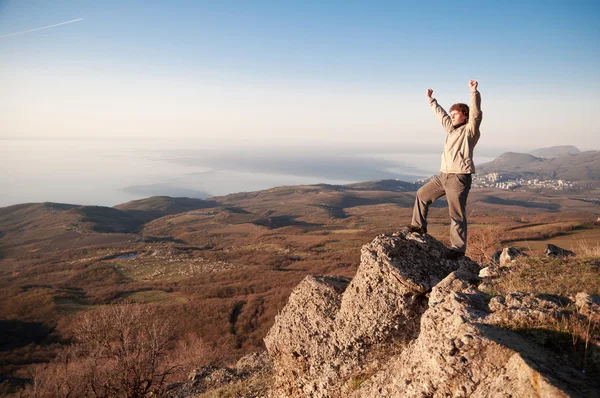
[461,108]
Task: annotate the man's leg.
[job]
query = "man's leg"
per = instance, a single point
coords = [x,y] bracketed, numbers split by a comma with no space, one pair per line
[425,196]
[457,190]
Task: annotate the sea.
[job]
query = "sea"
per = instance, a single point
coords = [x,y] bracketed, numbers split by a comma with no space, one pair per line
[110,172]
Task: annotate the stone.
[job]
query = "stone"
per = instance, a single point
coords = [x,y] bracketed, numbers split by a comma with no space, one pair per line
[508,255]
[555,251]
[588,305]
[252,363]
[491,271]
[525,309]
[495,260]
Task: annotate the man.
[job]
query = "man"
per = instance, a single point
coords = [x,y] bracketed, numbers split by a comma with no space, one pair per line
[454,180]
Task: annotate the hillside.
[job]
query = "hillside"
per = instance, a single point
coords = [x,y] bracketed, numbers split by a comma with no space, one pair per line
[583,167]
[158,206]
[220,274]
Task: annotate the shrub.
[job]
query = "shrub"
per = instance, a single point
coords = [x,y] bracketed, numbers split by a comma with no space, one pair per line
[119,351]
[482,243]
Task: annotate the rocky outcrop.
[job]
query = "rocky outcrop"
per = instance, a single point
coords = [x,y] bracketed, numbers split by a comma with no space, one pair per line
[414,324]
[462,351]
[330,324]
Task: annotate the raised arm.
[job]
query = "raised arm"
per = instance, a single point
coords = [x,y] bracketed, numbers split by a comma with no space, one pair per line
[440,112]
[475,114]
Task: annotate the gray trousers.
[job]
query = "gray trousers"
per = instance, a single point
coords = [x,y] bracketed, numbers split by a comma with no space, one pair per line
[456,187]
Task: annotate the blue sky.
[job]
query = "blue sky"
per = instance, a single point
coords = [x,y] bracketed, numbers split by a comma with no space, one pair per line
[285,73]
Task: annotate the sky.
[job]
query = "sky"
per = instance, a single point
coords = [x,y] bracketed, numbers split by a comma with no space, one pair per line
[284,73]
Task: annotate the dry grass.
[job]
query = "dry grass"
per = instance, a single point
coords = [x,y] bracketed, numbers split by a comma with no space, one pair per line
[584,249]
[557,276]
[570,334]
[578,237]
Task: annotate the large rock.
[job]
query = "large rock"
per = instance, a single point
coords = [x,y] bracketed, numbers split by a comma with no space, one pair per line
[328,340]
[328,325]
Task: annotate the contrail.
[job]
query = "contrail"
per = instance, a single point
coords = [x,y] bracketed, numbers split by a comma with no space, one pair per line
[45,27]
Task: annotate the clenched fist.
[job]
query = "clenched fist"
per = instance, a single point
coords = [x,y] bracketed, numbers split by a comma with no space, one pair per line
[429,93]
[473,85]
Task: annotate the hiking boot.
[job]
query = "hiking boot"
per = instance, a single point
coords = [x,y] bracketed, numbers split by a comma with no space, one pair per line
[412,228]
[454,254]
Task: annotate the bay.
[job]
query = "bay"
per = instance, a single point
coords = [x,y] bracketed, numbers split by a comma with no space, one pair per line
[111,172]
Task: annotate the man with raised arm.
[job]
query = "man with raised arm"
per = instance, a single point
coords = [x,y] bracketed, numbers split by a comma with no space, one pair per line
[454,180]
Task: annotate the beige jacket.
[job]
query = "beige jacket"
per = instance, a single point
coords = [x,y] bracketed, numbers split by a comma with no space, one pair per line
[460,141]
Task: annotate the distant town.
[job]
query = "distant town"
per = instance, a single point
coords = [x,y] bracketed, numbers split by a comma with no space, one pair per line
[508,182]
[498,180]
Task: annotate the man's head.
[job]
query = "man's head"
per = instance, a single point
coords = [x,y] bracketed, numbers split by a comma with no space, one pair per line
[459,114]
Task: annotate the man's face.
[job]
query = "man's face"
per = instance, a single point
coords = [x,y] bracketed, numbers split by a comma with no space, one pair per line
[457,117]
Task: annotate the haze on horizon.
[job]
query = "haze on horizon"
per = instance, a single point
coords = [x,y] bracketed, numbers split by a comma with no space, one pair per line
[282,74]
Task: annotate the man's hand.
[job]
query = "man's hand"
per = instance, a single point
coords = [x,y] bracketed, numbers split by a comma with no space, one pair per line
[430,92]
[473,85]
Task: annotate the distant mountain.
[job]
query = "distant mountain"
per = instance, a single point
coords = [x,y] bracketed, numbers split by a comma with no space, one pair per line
[509,160]
[555,151]
[583,167]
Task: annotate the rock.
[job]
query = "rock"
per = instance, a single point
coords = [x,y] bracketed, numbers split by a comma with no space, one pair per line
[197,375]
[496,257]
[492,271]
[209,376]
[328,325]
[462,351]
[525,309]
[407,294]
[252,363]
[588,305]
[555,251]
[508,255]
[219,377]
